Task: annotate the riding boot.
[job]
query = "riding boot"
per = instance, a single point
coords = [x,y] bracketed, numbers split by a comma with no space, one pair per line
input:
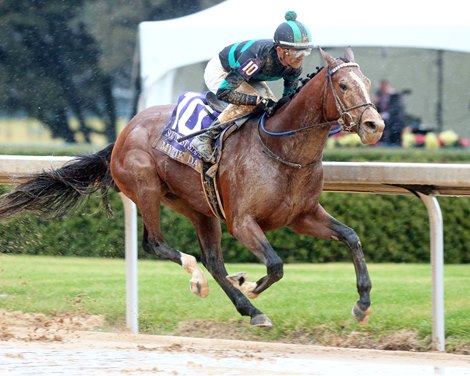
[203,144]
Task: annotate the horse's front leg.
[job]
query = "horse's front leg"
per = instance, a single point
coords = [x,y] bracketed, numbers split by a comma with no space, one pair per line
[322,225]
[210,235]
[249,233]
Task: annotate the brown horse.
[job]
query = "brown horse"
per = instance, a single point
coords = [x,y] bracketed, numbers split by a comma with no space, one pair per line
[270,176]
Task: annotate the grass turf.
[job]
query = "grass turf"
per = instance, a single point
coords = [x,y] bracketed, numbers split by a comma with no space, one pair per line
[311,304]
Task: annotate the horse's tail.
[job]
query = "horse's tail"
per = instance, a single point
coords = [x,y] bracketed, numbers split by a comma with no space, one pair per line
[56,191]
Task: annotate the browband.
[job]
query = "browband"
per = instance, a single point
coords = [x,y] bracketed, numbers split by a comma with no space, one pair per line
[338,67]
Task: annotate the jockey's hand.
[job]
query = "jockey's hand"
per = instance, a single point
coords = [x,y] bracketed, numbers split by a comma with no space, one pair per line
[267,105]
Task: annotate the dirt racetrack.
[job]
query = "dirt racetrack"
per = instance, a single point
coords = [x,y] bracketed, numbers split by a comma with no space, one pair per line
[36,345]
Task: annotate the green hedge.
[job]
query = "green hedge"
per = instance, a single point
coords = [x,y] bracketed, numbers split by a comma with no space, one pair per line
[392,228]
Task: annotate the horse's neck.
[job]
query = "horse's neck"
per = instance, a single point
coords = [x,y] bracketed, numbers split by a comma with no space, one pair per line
[306,107]
[304,110]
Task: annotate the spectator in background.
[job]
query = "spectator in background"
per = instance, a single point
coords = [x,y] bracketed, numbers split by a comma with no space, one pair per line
[390,106]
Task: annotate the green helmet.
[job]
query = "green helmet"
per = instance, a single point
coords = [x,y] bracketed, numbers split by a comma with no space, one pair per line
[292,33]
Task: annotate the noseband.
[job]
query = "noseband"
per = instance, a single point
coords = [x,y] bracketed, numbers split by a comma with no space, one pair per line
[346,120]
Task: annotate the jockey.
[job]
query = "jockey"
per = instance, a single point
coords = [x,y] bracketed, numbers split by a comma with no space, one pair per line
[238,73]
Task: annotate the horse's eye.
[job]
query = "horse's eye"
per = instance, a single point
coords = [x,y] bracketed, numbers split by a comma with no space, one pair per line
[343,86]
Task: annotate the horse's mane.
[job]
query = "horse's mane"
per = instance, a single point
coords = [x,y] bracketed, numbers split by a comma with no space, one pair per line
[303,82]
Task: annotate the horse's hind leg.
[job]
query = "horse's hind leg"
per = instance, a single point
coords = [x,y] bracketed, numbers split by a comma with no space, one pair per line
[209,235]
[136,177]
[198,282]
[322,225]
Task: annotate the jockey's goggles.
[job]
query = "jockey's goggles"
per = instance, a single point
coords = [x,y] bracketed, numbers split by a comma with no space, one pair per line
[297,53]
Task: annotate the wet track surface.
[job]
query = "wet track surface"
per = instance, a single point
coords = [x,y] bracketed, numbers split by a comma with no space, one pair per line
[90,353]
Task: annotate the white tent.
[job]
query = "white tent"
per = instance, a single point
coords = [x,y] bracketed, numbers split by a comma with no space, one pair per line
[167,45]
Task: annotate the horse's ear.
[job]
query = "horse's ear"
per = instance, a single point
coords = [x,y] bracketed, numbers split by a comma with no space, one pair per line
[349,54]
[327,57]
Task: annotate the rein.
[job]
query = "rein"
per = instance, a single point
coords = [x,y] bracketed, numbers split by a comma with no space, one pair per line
[344,112]
[262,121]
[273,155]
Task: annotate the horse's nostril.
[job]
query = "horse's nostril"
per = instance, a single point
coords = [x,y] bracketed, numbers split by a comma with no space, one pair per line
[371,126]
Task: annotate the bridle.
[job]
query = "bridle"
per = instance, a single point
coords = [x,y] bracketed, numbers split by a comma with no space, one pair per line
[342,110]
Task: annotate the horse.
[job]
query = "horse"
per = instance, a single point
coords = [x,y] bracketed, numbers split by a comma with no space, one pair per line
[270,175]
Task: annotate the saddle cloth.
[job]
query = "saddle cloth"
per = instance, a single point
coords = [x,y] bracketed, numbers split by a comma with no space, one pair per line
[192,113]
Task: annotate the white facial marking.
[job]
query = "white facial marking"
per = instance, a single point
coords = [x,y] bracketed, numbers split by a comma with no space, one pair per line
[359,82]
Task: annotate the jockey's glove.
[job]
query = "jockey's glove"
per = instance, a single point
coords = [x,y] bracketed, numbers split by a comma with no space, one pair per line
[267,105]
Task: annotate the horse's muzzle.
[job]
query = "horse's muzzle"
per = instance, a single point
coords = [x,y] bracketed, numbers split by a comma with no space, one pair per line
[371,128]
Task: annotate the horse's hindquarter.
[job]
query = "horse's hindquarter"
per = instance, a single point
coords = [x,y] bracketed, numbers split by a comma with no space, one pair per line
[142,130]
[136,165]
[134,143]
[254,185]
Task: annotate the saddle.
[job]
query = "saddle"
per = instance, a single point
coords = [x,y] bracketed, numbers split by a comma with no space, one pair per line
[196,111]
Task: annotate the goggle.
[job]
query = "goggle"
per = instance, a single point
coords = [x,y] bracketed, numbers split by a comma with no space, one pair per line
[297,53]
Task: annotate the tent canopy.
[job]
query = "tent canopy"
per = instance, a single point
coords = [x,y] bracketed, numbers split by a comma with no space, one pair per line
[164,46]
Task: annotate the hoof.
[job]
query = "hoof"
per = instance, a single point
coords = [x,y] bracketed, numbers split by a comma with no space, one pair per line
[261,320]
[198,282]
[198,289]
[240,281]
[361,316]
[237,279]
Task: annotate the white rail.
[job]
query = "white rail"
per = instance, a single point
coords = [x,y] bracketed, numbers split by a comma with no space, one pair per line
[426,180]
